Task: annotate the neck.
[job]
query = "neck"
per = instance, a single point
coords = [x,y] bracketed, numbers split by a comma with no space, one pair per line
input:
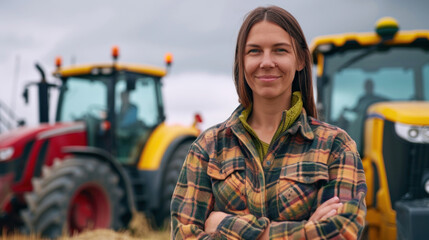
[266,116]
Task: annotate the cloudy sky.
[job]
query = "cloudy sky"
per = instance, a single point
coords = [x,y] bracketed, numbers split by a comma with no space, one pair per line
[201,34]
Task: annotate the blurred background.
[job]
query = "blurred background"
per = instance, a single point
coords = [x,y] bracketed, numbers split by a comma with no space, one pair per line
[200,34]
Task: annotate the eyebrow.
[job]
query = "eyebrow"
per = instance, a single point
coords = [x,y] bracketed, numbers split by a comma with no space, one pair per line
[275,45]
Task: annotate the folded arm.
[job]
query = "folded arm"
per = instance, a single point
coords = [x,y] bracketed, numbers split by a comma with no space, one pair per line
[347,182]
[338,212]
[193,201]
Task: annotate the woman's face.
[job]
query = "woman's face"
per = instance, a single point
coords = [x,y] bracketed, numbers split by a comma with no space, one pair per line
[270,62]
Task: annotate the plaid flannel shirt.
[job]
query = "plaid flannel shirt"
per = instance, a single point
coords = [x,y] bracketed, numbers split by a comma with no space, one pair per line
[308,164]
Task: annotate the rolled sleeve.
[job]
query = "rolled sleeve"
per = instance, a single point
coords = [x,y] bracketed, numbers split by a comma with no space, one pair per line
[243,227]
[346,181]
[192,200]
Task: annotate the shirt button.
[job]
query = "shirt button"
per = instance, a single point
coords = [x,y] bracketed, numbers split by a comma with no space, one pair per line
[307,179]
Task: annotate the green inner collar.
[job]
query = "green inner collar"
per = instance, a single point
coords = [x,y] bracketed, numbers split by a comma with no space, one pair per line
[288,118]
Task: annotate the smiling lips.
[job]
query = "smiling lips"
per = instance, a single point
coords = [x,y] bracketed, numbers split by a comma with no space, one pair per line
[267,78]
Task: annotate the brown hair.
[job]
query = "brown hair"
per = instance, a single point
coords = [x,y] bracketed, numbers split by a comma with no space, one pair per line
[302,81]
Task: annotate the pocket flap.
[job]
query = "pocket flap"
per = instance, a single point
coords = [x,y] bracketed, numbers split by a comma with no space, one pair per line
[305,172]
[222,169]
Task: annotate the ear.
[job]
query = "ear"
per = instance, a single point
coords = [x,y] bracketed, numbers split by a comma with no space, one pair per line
[300,65]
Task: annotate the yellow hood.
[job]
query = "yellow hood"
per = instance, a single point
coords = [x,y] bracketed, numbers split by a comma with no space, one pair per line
[413,112]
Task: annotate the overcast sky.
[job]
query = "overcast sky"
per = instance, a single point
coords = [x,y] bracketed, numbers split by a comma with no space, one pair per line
[201,35]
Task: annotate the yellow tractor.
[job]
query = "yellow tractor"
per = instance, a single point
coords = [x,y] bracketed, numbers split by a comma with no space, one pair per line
[108,154]
[376,86]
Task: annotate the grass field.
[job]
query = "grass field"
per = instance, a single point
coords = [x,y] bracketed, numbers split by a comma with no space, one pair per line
[138,229]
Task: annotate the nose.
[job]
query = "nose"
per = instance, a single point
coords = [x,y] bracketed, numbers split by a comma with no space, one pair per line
[267,61]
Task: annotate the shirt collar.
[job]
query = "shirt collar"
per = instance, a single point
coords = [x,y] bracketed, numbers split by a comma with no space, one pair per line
[301,124]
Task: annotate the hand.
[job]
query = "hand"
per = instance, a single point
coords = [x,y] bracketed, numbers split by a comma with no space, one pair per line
[213,221]
[327,209]
[266,234]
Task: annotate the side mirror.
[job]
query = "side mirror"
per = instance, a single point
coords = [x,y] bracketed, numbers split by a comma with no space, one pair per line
[25,95]
[21,122]
[131,84]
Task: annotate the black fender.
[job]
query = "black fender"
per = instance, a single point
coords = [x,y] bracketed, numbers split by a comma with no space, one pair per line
[155,177]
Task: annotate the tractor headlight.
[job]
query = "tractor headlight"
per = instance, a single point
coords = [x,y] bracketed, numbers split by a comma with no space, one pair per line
[95,71]
[413,133]
[6,153]
[324,48]
[427,186]
[425,181]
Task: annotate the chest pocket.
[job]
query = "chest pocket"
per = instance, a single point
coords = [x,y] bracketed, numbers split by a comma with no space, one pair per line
[297,189]
[228,184]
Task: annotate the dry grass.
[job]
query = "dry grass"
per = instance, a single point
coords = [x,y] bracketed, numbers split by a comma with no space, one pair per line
[138,229]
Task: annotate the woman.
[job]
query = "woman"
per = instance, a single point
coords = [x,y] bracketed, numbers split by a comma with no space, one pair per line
[271,170]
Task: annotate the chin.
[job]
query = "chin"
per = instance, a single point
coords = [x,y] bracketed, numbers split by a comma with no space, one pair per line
[269,96]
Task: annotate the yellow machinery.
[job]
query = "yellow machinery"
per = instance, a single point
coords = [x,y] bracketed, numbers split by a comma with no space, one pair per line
[376,87]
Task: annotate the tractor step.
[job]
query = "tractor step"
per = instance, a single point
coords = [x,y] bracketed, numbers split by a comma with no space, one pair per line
[139,188]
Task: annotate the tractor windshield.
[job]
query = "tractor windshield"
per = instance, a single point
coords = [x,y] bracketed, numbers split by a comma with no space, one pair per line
[82,97]
[361,77]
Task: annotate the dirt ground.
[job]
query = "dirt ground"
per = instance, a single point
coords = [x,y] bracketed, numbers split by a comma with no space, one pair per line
[139,229]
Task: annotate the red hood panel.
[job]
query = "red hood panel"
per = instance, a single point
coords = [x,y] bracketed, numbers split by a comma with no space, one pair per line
[20,136]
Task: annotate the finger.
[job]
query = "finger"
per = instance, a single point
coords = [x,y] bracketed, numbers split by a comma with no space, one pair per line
[209,223]
[329,214]
[213,221]
[323,210]
[328,205]
[331,207]
[331,201]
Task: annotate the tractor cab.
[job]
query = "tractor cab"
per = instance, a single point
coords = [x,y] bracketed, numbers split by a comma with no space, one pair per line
[120,104]
[376,87]
[356,71]
[109,155]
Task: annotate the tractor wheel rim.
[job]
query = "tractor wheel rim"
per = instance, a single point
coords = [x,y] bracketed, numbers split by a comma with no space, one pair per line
[89,209]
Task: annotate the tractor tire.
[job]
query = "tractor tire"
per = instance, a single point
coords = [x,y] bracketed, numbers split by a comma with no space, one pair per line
[170,176]
[73,195]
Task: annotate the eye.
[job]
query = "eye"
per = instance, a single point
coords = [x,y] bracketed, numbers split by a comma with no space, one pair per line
[281,50]
[253,51]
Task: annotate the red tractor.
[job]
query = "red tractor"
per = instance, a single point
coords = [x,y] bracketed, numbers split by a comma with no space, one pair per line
[109,153]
